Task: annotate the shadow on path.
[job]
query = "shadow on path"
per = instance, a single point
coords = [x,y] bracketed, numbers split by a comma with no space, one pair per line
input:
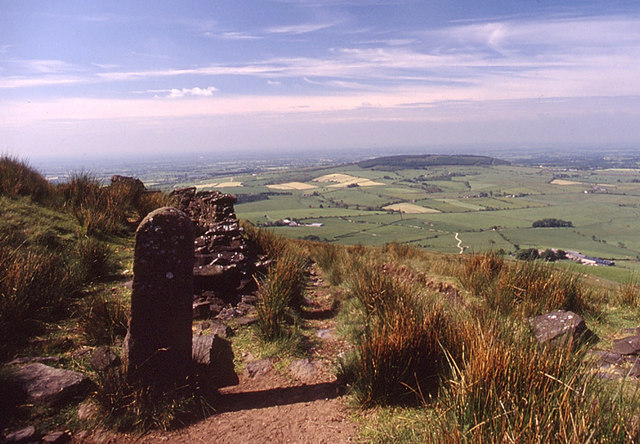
[233,402]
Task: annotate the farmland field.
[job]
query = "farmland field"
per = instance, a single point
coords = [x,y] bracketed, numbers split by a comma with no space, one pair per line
[491,207]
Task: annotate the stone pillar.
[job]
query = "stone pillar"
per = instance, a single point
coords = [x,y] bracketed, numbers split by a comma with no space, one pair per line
[158,343]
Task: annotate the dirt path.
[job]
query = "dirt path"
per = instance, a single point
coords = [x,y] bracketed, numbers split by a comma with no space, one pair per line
[300,406]
[460,246]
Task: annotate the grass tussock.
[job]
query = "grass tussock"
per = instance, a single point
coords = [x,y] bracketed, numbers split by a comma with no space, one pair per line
[524,288]
[628,294]
[280,294]
[17,178]
[479,272]
[265,241]
[104,319]
[400,338]
[35,286]
[125,406]
[509,389]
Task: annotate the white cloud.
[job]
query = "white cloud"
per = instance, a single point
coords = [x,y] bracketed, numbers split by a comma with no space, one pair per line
[237,36]
[196,92]
[43,66]
[299,29]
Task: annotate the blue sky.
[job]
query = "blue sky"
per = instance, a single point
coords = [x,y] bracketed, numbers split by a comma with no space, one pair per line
[146,77]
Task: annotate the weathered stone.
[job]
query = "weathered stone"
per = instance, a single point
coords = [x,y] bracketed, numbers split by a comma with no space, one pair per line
[216,355]
[258,367]
[31,359]
[60,437]
[103,358]
[559,326]
[246,320]
[217,327]
[132,182]
[304,369]
[28,434]
[229,313]
[635,370]
[47,385]
[158,343]
[627,346]
[325,333]
[249,299]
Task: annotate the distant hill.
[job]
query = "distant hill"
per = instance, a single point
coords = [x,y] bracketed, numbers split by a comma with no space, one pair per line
[427,160]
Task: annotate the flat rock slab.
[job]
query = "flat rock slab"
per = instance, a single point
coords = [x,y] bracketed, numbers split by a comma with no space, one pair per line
[559,325]
[627,346]
[28,434]
[258,367]
[47,385]
[304,370]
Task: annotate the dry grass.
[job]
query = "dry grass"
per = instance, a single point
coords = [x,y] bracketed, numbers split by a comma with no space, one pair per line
[509,389]
[280,295]
[401,339]
[17,178]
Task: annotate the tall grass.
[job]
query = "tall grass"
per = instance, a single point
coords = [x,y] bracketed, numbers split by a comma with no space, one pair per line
[34,286]
[126,406]
[333,260]
[524,288]
[628,294]
[509,389]
[479,272]
[107,209]
[534,288]
[17,178]
[400,345]
[95,209]
[265,241]
[281,293]
[104,319]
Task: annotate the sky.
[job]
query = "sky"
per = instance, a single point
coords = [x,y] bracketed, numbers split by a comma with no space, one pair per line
[121,78]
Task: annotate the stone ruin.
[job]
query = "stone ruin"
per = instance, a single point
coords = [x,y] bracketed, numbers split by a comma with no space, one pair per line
[224,262]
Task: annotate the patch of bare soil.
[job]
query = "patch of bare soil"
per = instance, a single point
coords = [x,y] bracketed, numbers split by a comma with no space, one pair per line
[301,405]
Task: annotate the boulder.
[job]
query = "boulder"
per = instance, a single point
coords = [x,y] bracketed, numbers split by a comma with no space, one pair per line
[627,346]
[103,358]
[304,370]
[47,385]
[26,435]
[258,367]
[560,326]
[60,437]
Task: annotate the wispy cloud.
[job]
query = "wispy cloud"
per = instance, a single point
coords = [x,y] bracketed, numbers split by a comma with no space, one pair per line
[237,36]
[43,66]
[299,29]
[176,93]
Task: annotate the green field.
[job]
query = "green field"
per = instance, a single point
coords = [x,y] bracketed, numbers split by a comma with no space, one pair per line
[491,207]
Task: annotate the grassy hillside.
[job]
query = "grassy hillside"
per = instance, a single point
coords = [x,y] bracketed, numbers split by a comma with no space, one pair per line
[441,349]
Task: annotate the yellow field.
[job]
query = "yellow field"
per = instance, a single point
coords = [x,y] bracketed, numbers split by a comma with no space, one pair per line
[565,182]
[219,185]
[344,180]
[291,186]
[410,208]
